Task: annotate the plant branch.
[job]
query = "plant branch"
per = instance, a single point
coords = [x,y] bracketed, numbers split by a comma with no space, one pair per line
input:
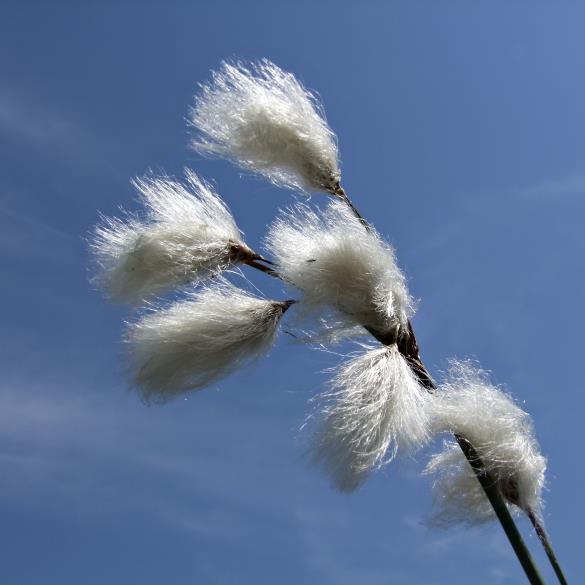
[266,269]
[545,541]
[494,495]
[340,192]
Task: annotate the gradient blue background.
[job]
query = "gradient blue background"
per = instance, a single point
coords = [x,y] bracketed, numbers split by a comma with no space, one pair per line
[462,137]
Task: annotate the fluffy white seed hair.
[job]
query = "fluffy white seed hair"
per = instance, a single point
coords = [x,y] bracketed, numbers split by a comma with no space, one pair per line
[373,407]
[503,436]
[335,261]
[187,234]
[263,119]
[197,341]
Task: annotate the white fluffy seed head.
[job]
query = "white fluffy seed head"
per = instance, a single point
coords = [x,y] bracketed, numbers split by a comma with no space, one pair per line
[373,407]
[187,234]
[263,119]
[503,436]
[458,496]
[335,261]
[197,341]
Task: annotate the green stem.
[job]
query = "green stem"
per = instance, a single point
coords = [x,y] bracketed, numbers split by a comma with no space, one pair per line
[545,541]
[496,499]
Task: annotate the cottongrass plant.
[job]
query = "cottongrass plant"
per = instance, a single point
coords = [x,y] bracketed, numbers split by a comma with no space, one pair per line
[263,119]
[469,406]
[381,401]
[186,234]
[199,340]
[336,262]
[373,407]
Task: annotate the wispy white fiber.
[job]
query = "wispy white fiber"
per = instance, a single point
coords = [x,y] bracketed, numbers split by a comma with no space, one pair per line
[503,436]
[373,407]
[187,234]
[335,261]
[263,119]
[197,341]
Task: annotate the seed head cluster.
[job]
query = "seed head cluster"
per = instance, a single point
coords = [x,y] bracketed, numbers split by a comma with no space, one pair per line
[186,242]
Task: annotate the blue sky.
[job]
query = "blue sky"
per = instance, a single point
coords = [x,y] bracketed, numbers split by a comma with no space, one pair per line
[462,137]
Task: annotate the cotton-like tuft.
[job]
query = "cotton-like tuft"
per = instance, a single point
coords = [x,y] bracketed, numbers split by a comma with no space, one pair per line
[263,119]
[187,235]
[335,261]
[373,407]
[197,341]
[503,436]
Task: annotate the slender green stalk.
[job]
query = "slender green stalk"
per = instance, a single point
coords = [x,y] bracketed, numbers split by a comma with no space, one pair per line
[496,499]
[545,541]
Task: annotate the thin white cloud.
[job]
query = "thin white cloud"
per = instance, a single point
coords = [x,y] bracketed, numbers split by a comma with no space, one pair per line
[53,133]
[36,124]
[571,184]
[60,442]
[25,236]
